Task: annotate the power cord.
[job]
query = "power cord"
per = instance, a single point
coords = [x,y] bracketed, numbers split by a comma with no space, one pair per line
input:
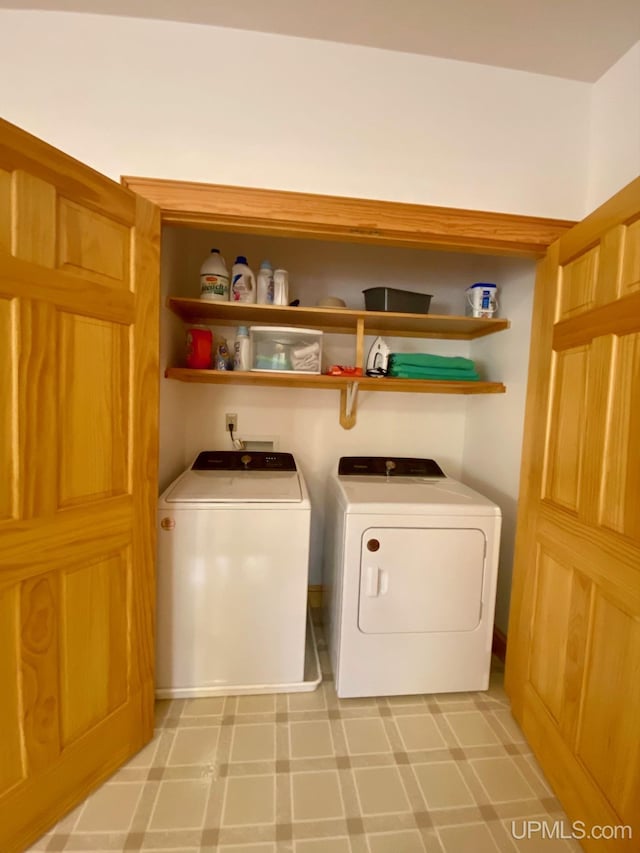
[236,442]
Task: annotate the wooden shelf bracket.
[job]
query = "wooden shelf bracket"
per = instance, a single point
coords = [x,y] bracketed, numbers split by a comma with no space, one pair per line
[348,405]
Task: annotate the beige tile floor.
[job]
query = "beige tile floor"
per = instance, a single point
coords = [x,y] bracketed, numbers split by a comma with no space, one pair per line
[310,773]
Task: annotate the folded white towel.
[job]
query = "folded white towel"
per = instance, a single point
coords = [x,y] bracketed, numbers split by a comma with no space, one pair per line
[311,349]
[310,363]
[306,358]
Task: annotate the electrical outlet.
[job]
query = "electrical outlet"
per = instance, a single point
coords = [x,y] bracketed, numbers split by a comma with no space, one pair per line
[231,420]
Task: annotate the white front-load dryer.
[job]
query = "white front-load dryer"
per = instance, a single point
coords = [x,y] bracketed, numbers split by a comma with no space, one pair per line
[410,576]
[233,564]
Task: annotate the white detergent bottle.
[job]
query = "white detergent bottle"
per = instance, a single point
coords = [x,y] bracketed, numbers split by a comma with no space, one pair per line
[265,284]
[241,349]
[243,282]
[214,278]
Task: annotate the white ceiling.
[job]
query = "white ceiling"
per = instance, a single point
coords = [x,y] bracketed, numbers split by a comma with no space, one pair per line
[578,39]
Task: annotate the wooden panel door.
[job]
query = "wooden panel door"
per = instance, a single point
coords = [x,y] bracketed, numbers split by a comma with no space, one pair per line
[78,454]
[573,656]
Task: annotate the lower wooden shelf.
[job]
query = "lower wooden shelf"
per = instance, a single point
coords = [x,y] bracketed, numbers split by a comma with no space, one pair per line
[335,383]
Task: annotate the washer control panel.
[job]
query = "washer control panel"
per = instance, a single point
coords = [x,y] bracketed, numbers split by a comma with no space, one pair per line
[242,460]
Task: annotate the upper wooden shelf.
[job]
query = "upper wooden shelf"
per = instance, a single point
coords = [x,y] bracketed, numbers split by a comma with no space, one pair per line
[336,321]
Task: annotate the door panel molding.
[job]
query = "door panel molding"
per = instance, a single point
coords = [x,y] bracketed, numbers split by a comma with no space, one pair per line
[8,389]
[629,280]
[39,661]
[28,547]
[571,781]
[12,757]
[608,735]
[565,452]
[578,285]
[66,292]
[621,317]
[594,550]
[93,246]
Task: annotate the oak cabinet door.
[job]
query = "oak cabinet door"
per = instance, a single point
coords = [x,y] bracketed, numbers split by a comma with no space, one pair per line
[78,456]
[573,663]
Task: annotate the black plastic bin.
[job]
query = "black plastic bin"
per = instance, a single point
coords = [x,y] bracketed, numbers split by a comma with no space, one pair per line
[391,299]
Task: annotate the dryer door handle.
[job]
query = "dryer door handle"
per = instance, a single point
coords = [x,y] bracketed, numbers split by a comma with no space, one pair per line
[377,582]
[373,581]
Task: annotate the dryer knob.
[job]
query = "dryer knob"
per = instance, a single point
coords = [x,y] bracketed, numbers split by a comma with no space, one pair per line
[373,545]
[245,459]
[167,523]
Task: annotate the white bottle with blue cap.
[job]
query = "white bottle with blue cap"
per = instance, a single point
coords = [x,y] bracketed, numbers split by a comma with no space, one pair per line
[241,355]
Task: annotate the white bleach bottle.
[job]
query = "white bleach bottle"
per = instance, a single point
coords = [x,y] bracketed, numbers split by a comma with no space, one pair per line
[214,278]
[243,281]
[265,284]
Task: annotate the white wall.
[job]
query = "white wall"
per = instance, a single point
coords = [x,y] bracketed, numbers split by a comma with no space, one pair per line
[614,136]
[305,422]
[191,102]
[172,437]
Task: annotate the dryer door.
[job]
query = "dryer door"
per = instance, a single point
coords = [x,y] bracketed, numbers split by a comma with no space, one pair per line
[419,580]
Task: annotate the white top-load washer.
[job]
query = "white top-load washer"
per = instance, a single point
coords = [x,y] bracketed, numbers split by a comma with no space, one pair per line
[410,579]
[233,562]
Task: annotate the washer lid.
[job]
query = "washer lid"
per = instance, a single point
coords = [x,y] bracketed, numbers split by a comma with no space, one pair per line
[236,487]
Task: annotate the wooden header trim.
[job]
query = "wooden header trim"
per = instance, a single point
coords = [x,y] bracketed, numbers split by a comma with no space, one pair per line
[322,217]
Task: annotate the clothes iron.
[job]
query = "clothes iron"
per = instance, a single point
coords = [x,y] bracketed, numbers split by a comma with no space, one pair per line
[378,358]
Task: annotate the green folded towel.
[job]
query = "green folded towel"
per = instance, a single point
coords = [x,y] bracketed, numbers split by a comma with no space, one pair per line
[415,369]
[419,359]
[434,373]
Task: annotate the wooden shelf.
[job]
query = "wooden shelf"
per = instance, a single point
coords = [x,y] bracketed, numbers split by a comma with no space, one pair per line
[336,321]
[332,383]
[340,321]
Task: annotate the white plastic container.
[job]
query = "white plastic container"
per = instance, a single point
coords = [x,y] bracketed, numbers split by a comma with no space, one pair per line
[243,282]
[481,300]
[241,349]
[265,284]
[286,349]
[214,278]
[281,287]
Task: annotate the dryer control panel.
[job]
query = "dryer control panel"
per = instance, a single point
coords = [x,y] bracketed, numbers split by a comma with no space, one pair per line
[389,466]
